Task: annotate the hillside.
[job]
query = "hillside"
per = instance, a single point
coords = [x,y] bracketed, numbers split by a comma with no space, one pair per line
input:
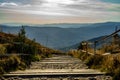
[75,46]
[17,51]
[11,40]
[52,35]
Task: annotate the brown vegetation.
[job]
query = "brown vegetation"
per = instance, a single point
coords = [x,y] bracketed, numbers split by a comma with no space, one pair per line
[107,63]
[17,51]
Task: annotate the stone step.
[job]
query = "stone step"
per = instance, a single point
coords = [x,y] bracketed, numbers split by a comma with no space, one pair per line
[55,68]
[59,62]
[59,67]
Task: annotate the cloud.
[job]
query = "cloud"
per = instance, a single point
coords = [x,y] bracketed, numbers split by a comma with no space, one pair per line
[62,7]
[4,4]
[42,13]
[60,1]
[91,9]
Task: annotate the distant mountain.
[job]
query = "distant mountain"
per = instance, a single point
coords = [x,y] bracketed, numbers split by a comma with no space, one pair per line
[62,35]
[75,46]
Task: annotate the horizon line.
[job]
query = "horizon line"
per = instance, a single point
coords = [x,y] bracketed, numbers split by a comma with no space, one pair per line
[28,24]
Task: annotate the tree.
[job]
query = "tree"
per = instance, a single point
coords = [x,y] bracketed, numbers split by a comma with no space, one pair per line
[21,34]
[20,41]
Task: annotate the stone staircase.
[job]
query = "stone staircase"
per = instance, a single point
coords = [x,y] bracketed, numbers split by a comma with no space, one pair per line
[59,62]
[58,67]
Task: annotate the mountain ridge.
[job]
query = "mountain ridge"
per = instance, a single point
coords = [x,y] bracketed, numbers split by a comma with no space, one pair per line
[54,24]
[57,37]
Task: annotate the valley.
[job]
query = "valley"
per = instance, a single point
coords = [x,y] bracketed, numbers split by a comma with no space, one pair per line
[52,35]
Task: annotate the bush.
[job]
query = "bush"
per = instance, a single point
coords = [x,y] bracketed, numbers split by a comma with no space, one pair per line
[35,58]
[1,70]
[11,63]
[94,61]
[117,74]
[74,53]
[22,45]
[2,49]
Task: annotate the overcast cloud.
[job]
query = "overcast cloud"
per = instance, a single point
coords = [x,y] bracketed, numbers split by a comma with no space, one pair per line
[63,8]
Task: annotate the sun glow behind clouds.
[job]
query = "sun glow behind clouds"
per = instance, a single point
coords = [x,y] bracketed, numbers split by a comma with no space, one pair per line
[60,1]
[55,10]
[8,4]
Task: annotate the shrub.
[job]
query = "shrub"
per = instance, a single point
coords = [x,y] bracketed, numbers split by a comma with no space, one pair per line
[94,61]
[117,74]
[2,49]
[1,70]
[74,53]
[35,57]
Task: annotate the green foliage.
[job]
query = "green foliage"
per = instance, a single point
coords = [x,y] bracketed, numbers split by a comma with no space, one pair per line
[36,58]
[22,45]
[19,44]
[21,35]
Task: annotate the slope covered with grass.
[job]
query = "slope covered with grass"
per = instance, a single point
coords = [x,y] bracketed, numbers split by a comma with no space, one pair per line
[17,51]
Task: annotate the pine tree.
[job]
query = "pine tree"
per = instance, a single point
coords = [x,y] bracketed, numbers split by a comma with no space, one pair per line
[21,35]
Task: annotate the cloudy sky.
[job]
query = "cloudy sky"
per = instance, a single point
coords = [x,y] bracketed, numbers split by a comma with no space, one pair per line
[59,11]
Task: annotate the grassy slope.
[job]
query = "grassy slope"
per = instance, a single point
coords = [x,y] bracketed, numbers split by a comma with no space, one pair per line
[108,63]
[8,45]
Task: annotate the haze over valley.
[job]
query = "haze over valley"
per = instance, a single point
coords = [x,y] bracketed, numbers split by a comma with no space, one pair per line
[64,35]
